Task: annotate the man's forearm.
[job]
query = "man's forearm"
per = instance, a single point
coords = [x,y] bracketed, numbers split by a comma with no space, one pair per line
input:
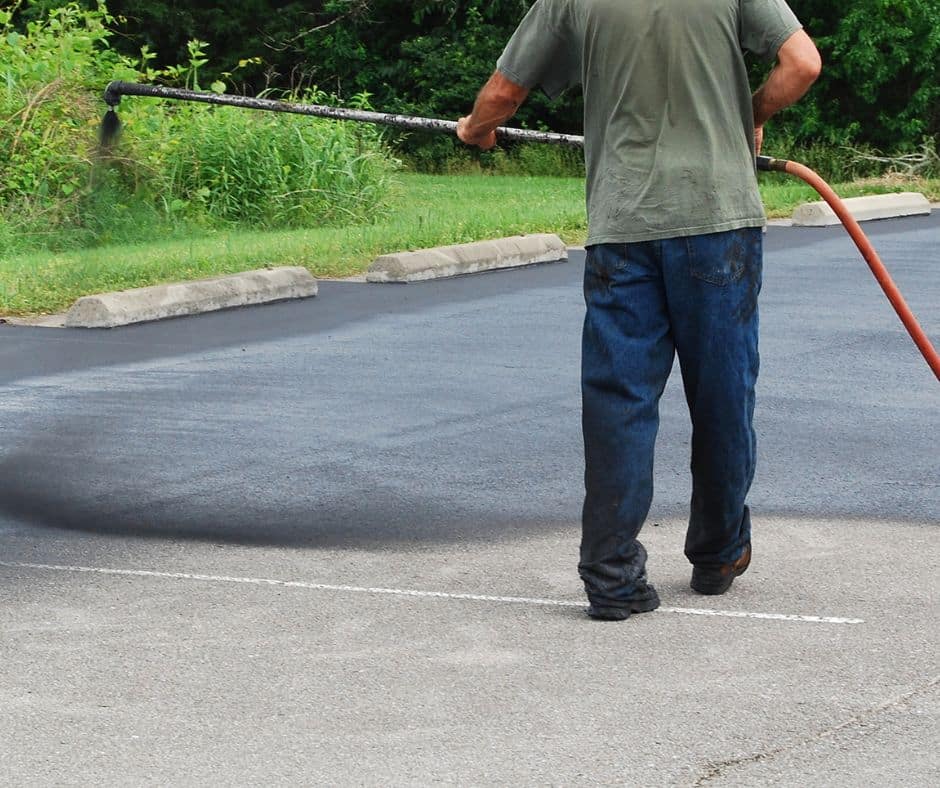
[777,93]
[496,103]
[798,66]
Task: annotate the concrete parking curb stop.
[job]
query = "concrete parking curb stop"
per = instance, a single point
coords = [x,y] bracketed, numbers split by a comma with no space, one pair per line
[108,310]
[444,261]
[878,206]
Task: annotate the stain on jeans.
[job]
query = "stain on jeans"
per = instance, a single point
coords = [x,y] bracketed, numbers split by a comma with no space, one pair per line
[750,284]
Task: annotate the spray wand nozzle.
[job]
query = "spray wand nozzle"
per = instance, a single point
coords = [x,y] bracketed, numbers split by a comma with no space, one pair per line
[110,123]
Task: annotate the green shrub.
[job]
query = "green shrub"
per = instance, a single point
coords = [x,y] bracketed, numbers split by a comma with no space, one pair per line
[836,164]
[216,166]
[446,156]
[177,166]
[548,160]
[880,84]
[47,115]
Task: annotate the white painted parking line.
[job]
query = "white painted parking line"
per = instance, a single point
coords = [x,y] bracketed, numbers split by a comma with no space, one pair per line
[404,592]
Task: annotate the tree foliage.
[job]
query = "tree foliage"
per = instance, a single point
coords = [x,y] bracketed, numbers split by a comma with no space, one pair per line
[881,72]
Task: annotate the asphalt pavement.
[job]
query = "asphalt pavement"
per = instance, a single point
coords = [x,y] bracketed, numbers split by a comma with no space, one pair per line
[335,542]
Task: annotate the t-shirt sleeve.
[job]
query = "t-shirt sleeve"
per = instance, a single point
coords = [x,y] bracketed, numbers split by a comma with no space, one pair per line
[765,25]
[543,51]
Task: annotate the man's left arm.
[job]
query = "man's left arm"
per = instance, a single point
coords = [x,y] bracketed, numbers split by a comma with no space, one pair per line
[499,99]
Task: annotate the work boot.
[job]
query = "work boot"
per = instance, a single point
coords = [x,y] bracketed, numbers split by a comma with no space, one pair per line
[642,600]
[714,580]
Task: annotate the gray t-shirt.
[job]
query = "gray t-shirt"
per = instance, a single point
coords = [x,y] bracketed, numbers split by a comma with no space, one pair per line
[669,130]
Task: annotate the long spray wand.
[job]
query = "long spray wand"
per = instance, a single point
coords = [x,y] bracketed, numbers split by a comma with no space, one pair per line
[114,91]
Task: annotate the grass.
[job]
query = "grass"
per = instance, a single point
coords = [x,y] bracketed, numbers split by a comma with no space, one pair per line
[426,210]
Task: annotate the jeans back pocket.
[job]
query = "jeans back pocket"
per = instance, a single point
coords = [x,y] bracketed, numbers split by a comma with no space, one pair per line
[720,258]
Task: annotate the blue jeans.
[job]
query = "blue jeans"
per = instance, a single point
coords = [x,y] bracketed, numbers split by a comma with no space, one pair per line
[695,296]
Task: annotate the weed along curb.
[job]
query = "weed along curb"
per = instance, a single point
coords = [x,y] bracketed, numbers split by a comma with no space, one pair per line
[443,261]
[878,206]
[108,310]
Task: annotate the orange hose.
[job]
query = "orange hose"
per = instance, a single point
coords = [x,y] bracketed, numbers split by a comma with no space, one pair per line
[874,262]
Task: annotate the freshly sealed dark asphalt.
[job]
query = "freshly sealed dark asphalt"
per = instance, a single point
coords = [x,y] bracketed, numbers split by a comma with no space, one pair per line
[450,409]
[427,436]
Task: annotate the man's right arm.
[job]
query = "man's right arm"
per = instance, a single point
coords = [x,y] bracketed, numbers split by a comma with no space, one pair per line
[496,103]
[798,66]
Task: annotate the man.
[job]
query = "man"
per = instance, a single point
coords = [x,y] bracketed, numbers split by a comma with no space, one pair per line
[674,253]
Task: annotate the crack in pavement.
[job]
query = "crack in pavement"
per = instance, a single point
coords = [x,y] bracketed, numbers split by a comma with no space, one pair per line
[716,770]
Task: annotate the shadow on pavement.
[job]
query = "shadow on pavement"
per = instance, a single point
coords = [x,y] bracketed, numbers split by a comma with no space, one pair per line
[92,498]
